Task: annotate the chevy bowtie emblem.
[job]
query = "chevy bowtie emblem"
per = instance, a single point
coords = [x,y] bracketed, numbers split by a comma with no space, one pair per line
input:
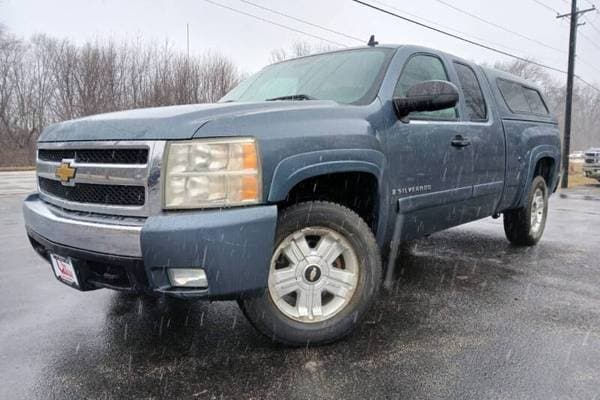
[65,172]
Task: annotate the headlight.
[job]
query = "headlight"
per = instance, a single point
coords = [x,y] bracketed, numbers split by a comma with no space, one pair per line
[212,173]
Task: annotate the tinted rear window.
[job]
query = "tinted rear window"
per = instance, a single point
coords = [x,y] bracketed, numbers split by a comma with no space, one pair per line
[535,101]
[520,99]
[474,100]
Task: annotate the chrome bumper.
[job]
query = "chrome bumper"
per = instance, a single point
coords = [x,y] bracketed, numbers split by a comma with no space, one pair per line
[98,235]
[592,171]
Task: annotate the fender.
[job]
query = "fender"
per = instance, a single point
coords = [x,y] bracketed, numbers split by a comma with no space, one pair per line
[294,169]
[537,153]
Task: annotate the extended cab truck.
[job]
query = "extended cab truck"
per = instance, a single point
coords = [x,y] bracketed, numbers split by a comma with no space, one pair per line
[292,193]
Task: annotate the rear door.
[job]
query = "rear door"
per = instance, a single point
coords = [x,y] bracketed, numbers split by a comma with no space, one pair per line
[481,124]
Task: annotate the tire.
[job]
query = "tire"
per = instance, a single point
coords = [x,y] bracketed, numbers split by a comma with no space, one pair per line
[525,226]
[354,277]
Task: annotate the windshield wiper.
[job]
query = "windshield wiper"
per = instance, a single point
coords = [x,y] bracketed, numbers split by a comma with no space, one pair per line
[293,97]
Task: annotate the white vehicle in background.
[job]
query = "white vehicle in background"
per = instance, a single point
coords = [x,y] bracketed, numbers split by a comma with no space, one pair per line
[591,166]
[577,156]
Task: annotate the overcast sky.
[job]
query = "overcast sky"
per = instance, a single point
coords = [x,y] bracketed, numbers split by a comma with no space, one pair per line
[249,42]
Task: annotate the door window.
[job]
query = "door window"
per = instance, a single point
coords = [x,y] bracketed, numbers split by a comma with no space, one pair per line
[421,68]
[474,101]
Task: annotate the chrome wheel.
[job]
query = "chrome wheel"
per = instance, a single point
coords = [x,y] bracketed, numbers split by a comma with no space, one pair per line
[313,274]
[537,210]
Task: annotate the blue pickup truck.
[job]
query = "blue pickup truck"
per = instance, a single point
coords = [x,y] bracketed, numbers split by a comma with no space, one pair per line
[293,193]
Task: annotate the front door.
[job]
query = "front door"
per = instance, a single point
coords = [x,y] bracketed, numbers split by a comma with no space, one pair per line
[430,157]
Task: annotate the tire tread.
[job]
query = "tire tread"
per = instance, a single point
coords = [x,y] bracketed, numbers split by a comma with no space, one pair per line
[254,308]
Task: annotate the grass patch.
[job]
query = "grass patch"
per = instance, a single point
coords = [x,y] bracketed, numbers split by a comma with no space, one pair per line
[576,176]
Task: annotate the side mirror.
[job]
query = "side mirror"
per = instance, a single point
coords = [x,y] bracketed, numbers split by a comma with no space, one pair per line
[427,96]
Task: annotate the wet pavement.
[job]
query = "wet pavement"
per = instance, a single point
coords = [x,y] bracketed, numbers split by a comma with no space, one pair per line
[585,192]
[16,182]
[469,317]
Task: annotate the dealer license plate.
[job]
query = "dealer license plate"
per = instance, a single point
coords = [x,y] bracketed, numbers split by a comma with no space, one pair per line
[63,269]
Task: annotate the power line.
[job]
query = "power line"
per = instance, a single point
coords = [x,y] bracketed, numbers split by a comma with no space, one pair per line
[583,35]
[590,40]
[259,6]
[457,36]
[471,41]
[303,21]
[547,7]
[596,88]
[444,27]
[289,28]
[584,62]
[590,3]
[585,17]
[389,13]
[594,27]
[587,1]
[491,23]
[590,65]
[587,38]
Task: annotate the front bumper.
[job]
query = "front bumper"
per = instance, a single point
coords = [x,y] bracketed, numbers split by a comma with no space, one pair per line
[233,246]
[108,235]
[592,171]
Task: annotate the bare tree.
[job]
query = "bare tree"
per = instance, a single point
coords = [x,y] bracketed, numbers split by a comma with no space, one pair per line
[45,80]
[298,49]
[217,76]
[526,70]
[12,52]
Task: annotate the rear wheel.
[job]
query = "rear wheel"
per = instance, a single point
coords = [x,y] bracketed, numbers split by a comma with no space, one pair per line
[525,226]
[324,275]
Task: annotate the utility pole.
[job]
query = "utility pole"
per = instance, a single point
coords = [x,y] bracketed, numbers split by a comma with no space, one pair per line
[574,15]
[187,26]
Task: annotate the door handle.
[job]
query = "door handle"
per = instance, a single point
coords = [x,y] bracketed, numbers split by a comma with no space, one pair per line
[460,141]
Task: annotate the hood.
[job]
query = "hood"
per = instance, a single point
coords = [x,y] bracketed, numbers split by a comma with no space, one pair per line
[164,123]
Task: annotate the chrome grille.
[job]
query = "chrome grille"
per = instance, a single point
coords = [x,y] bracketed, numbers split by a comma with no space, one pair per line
[592,158]
[115,178]
[95,194]
[96,156]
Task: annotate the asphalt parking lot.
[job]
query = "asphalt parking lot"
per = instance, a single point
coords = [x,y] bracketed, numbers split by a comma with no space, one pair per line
[469,317]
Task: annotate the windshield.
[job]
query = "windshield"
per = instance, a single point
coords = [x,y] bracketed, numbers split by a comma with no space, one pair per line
[348,77]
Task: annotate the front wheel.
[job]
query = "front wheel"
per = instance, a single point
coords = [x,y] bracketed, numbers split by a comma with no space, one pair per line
[324,275]
[525,226]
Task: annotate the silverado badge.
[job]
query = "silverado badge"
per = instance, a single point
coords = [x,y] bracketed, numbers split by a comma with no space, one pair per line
[64,172]
[411,190]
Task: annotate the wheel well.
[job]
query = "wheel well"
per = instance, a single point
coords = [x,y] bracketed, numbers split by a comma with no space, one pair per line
[545,169]
[356,190]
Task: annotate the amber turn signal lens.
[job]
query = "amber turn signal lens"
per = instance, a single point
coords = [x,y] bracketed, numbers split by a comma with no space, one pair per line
[249,187]
[250,157]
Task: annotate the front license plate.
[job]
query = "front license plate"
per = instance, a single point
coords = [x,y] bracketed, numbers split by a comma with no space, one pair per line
[63,269]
